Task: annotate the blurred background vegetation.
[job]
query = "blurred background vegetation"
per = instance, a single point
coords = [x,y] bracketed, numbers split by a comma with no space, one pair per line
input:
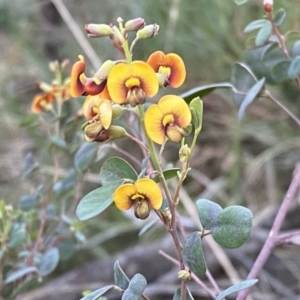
[248,163]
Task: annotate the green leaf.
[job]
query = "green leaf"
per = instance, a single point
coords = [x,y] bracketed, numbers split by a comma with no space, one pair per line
[279,71]
[250,97]
[233,227]
[96,201]
[168,174]
[19,274]
[267,49]
[196,107]
[279,17]
[116,168]
[121,280]
[240,2]
[193,254]
[296,48]
[96,294]
[291,37]
[294,69]
[236,288]
[17,235]
[49,262]
[204,90]
[177,295]
[263,34]
[58,142]
[208,212]
[257,24]
[28,202]
[136,288]
[66,249]
[29,120]
[65,184]
[85,155]
[242,80]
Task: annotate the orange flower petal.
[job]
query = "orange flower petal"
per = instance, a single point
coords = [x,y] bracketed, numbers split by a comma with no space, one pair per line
[175,105]
[124,77]
[154,124]
[122,196]
[178,72]
[76,86]
[150,190]
[41,102]
[173,61]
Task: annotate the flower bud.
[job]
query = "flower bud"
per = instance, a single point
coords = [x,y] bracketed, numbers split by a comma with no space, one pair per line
[98,30]
[268,5]
[116,111]
[117,39]
[53,66]
[148,31]
[116,132]
[183,274]
[47,88]
[104,70]
[135,24]
[184,153]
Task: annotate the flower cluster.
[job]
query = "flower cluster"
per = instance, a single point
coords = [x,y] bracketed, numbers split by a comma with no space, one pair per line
[57,91]
[130,82]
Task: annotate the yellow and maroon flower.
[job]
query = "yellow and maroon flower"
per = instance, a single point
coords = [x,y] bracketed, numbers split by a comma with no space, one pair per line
[131,83]
[167,119]
[42,102]
[82,85]
[143,194]
[169,66]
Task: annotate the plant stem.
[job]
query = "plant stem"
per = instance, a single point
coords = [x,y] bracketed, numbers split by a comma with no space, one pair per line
[272,239]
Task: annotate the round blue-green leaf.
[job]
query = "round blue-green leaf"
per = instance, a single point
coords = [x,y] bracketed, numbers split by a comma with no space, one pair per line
[233,227]
[242,80]
[279,17]
[193,254]
[49,262]
[96,201]
[294,68]
[250,97]
[58,142]
[96,294]
[257,24]
[116,168]
[136,288]
[208,212]
[263,34]
[177,295]
[121,280]
[296,48]
[17,235]
[240,2]
[279,71]
[236,288]
[28,202]
[85,155]
[168,174]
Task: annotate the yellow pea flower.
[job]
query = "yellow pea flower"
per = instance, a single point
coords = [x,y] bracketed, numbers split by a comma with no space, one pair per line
[167,119]
[142,194]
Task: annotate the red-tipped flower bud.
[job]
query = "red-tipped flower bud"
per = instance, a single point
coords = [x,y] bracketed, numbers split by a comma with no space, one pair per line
[135,24]
[98,30]
[268,5]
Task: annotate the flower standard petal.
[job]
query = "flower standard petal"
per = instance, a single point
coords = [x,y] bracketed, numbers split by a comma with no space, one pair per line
[76,86]
[149,189]
[123,194]
[90,106]
[156,59]
[105,113]
[175,105]
[178,72]
[154,124]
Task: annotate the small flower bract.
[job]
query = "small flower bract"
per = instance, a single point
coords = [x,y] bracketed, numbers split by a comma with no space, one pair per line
[132,82]
[143,194]
[167,119]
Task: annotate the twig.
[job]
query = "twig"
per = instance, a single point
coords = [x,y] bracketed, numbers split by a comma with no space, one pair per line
[77,33]
[273,235]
